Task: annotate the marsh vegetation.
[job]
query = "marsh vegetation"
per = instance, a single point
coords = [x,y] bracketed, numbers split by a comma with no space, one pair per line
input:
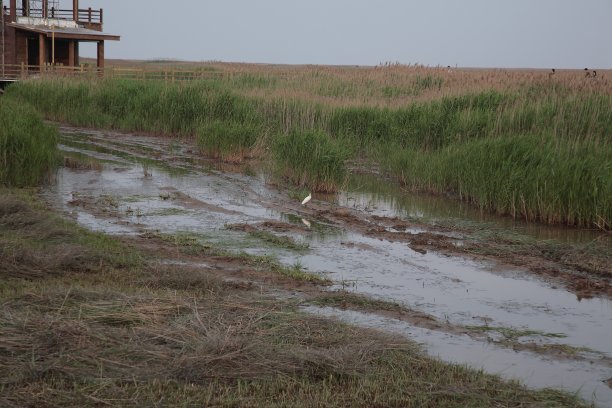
[28,148]
[511,142]
[89,319]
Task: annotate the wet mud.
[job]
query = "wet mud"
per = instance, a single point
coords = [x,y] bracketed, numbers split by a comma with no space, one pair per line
[511,309]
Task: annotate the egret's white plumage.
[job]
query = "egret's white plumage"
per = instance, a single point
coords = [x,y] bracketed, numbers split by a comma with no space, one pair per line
[307,199]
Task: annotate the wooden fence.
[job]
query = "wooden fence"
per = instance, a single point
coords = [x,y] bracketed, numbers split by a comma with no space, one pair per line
[9,73]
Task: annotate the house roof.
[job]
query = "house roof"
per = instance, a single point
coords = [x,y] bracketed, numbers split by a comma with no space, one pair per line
[82,34]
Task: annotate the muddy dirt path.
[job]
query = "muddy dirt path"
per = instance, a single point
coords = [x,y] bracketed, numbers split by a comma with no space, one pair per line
[548,328]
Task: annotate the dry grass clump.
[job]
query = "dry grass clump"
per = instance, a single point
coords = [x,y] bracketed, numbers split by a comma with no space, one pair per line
[84,336]
[64,345]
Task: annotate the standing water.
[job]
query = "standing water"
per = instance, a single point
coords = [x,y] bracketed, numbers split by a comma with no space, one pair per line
[152,184]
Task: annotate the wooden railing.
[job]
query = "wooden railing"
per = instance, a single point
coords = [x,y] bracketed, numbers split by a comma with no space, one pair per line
[24,72]
[90,16]
[85,16]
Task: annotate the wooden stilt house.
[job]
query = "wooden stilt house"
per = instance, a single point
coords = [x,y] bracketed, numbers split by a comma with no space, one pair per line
[37,34]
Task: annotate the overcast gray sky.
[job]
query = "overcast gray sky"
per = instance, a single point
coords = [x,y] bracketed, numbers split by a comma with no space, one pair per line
[475,33]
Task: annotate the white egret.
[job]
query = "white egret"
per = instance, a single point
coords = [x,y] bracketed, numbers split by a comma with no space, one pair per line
[307,199]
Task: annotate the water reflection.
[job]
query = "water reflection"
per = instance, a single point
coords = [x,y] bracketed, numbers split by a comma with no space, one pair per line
[367,193]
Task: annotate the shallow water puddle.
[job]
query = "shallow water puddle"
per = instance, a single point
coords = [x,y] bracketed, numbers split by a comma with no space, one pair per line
[532,369]
[129,197]
[462,292]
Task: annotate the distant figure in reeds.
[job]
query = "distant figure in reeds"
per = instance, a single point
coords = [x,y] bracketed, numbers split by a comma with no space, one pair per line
[594,75]
[552,73]
[587,73]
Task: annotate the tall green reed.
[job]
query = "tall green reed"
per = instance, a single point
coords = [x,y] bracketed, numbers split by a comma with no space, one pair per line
[311,159]
[227,124]
[28,147]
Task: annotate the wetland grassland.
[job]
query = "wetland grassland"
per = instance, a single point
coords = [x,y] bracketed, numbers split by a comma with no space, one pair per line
[161,319]
[517,143]
[89,320]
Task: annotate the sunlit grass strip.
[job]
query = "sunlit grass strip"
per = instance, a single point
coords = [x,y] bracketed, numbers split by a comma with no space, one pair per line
[311,159]
[28,148]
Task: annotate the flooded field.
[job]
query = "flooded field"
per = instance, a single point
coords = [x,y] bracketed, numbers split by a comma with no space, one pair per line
[373,239]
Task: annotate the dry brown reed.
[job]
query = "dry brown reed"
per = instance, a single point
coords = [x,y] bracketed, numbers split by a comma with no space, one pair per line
[389,86]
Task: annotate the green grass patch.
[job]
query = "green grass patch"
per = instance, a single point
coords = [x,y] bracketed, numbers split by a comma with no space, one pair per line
[35,244]
[28,147]
[311,159]
[231,142]
[530,177]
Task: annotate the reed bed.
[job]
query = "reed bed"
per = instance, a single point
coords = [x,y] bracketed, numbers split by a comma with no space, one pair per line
[311,159]
[231,142]
[28,148]
[532,177]
[399,116]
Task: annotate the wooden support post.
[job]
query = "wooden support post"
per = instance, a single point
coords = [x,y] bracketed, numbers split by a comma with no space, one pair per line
[45,8]
[13,16]
[42,50]
[77,61]
[75,10]
[71,53]
[101,54]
